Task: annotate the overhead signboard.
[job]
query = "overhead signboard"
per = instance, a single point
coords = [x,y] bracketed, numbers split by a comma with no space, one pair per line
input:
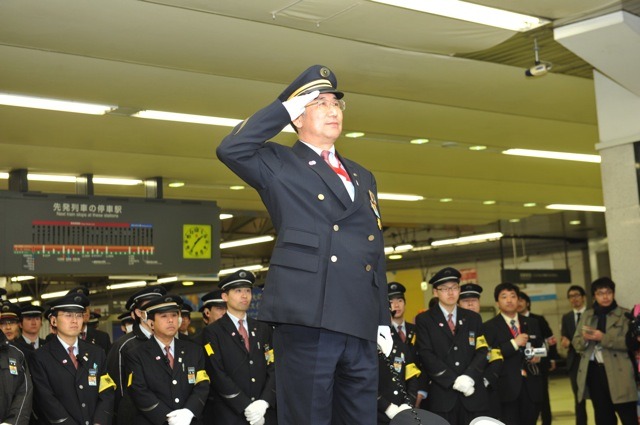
[536,275]
[92,235]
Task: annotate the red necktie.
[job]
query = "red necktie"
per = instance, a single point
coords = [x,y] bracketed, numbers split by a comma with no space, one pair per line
[452,325]
[514,329]
[169,356]
[243,332]
[73,357]
[339,169]
[401,334]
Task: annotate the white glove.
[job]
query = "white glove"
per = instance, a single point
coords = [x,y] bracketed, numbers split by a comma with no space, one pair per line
[180,417]
[259,422]
[394,409]
[464,384]
[385,342]
[295,106]
[256,411]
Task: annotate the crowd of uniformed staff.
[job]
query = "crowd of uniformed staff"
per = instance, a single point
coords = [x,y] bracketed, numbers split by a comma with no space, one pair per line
[449,362]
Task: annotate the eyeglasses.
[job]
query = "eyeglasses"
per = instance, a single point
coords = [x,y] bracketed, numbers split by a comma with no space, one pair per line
[70,316]
[603,293]
[449,289]
[326,104]
[575,296]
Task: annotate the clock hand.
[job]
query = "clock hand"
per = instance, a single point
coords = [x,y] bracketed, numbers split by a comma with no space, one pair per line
[195,243]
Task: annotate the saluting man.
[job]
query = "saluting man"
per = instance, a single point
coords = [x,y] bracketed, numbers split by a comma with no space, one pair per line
[453,352]
[168,381]
[72,385]
[240,359]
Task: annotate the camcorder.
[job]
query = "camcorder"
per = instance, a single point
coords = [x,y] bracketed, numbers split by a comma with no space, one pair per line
[531,352]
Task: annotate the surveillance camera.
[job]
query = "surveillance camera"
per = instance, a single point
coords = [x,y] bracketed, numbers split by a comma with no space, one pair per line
[538,70]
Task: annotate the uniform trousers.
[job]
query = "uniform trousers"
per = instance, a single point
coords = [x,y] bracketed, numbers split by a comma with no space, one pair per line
[603,409]
[324,377]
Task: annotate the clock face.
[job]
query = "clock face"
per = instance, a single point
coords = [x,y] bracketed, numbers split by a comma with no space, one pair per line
[196,241]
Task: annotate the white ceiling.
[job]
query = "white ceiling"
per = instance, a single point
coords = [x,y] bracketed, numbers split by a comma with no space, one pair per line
[228,58]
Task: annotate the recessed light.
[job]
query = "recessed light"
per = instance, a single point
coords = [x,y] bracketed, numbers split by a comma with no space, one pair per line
[529,204]
[575,222]
[225,216]
[490,202]
[477,148]
[514,220]
[446,199]
[176,184]
[395,257]
[354,134]
[187,283]
[236,187]
[399,197]
[419,141]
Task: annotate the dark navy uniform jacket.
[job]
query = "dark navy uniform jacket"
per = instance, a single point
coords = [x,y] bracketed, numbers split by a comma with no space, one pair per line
[16,390]
[327,269]
[156,389]
[445,356]
[403,360]
[239,377]
[65,395]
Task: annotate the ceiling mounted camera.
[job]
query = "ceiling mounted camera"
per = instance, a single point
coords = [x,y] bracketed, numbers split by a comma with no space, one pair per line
[540,68]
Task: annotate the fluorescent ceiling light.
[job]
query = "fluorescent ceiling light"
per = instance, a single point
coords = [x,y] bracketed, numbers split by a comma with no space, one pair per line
[54,104]
[22,278]
[419,141]
[489,202]
[567,207]
[168,279]
[225,216]
[529,204]
[398,248]
[251,268]
[21,299]
[248,241]
[472,13]
[176,184]
[237,187]
[446,200]
[477,148]
[422,248]
[53,294]
[399,197]
[567,156]
[188,283]
[51,178]
[468,239]
[354,134]
[124,285]
[395,257]
[193,119]
[116,181]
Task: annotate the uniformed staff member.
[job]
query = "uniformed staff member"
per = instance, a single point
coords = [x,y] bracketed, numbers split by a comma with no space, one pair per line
[91,333]
[126,323]
[397,389]
[140,333]
[453,352]
[213,307]
[470,299]
[326,288]
[9,320]
[168,381]
[185,314]
[240,359]
[15,385]
[72,385]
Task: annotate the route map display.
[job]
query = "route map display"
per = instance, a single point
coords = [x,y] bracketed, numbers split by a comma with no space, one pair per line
[91,235]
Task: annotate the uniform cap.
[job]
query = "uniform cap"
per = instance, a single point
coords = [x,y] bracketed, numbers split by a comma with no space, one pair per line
[448,274]
[168,302]
[31,310]
[94,317]
[186,309]
[396,290]
[239,279]
[148,293]
[71,302]
[212,298]
[470,290]
[126,318]
[9,311]
[316,77]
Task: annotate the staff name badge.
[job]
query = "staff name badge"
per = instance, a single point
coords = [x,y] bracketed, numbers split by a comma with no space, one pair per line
[374,207]
[472,338]
[93,377]
[191,375]
[13,366]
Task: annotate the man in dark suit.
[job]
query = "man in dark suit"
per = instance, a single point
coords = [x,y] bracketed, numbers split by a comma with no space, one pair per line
[547,363]
[453,353]
[240,359]
[16,391]
[168,379]
[116,360]
[72,385]
[326,287]
[577,298]
[398,375]
[519,383]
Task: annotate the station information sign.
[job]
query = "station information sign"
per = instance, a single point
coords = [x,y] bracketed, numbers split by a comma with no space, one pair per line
[91,235]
